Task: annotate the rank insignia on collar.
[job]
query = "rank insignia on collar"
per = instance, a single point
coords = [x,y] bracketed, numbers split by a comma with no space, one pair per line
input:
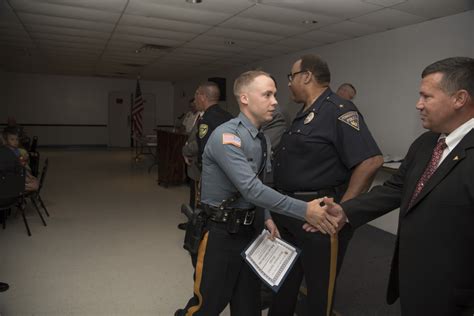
[341,106]
[456,158]
[350,118]
[309,117]
[203,128]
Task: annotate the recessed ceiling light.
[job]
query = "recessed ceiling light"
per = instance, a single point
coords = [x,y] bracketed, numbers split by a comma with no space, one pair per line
[309,22]
[193,1]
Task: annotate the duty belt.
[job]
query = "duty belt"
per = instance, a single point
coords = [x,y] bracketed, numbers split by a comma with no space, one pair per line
[240,216]
[309,195]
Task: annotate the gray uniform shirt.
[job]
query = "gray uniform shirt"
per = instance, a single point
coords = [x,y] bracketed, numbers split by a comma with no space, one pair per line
[231,161]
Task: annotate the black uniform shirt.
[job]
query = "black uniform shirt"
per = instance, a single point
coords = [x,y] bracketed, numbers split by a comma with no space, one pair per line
[211,118]
[322,145]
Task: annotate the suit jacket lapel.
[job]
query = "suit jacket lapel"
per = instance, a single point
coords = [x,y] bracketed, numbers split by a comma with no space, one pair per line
[454,157]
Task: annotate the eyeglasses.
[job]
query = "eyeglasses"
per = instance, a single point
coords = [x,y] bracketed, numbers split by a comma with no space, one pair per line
[292,76]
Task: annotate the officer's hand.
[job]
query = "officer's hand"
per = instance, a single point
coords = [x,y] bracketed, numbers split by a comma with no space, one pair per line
[272,228]
[336,212]
[316,215]
[309,228]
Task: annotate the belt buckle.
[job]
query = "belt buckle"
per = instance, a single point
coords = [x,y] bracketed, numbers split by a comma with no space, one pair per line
[249,216]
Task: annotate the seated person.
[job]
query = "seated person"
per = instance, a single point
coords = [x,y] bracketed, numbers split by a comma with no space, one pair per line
[10,135]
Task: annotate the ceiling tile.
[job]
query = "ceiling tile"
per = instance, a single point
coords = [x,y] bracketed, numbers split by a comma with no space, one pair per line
[207,51]
[68,32]
[353,28]
[157,10]
[68,39]
[385,3]
[389,18]
[251,25]
[229,7]
[217,47]
[337,8]
[146,40]
[36,20]
[233,34]
[54,10]
[163,24]
[324,37]
[299,43]
[288,16]
[217,41]
[105,5]
[433,9]
[153,32]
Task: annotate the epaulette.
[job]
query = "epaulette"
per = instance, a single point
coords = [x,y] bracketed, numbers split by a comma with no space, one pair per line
[342,105]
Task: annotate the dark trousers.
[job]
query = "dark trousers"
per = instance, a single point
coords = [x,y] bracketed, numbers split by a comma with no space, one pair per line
[222,276]
[319,262]
[192,193]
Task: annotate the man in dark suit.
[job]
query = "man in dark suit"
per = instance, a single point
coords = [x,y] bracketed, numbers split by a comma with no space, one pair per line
[433,265]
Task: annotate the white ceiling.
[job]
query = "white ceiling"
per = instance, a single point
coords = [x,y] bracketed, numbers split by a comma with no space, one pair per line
[101,37]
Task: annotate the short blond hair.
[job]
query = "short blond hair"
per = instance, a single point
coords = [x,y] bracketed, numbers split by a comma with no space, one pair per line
[245,79]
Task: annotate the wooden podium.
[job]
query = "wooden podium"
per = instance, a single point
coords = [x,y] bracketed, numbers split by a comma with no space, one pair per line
[171,166]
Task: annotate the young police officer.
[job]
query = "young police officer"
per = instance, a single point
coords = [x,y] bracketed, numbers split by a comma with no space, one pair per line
[235,155]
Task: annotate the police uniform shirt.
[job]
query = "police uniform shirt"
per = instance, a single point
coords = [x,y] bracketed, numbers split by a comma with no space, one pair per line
[322,146]
[231,161]
[211,118]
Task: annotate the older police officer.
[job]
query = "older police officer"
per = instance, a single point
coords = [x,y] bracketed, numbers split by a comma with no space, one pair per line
[327,151]
[233,158]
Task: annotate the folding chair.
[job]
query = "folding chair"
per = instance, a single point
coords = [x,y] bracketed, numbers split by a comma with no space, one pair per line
[36,195]
[34,162]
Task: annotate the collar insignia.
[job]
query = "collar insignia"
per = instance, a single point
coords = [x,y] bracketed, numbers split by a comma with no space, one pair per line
[309,117]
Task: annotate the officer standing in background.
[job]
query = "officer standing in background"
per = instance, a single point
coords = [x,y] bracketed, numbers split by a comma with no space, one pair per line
[206,99]
[190,153]
[212,115]
[235,155]
[327,151]
[346,91]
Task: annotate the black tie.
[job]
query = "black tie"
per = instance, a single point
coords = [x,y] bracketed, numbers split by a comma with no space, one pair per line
[259,218]
[263,145]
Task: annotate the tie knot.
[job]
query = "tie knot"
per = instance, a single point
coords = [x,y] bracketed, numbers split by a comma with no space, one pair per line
[441,143]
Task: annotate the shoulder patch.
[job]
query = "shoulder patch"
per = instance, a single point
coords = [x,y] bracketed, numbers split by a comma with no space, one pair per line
[231,139]
[351,118]
[203,128]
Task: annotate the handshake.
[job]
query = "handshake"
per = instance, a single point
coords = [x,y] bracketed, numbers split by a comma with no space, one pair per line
[325,216]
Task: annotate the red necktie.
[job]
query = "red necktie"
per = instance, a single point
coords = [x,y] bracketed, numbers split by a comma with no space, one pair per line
[430,169]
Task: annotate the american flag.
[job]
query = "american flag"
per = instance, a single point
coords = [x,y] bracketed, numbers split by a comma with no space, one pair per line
[137,110]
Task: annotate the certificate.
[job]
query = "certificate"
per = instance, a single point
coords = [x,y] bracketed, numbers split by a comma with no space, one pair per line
[271,259]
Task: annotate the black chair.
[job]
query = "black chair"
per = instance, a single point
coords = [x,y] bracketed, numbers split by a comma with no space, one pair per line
[34,144]
[12,187]
[34,162]
[37,194]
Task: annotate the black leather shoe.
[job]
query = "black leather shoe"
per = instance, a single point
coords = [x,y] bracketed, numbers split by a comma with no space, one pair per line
[180,311]
[4,287]
[182,226]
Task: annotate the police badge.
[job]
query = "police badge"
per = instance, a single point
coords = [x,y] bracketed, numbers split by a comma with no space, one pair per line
[203,128]
[309,117]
